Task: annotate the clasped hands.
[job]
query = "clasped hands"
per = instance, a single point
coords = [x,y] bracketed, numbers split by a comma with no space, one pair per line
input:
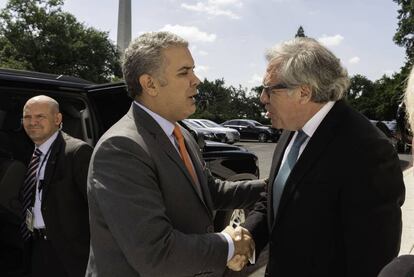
[243,247]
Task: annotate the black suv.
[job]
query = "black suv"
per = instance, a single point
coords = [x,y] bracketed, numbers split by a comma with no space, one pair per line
[88,111]
[251,129]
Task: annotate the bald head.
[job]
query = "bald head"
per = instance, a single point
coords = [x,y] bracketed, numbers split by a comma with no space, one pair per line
[54,105]
[41,118]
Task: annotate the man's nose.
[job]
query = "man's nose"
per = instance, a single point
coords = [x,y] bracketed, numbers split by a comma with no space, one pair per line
[264,97]
[196,81]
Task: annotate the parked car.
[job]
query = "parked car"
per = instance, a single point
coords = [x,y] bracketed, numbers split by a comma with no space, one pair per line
[404,132]
[389,133]
[251,129]
[231,135]
[88,111]
[207,134]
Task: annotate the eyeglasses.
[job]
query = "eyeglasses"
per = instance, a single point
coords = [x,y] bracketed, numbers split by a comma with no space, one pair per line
[268,89]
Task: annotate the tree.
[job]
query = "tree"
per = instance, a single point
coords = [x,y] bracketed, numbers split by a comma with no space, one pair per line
[300,32]
[218,102]
[361,94]
[37,35]
[404,35]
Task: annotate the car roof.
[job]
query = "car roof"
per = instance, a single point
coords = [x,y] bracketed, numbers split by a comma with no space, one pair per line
[38,80]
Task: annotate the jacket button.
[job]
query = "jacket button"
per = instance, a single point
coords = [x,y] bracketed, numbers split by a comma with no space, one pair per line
[210,229]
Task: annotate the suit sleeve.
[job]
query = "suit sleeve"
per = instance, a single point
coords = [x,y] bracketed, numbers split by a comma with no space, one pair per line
[81,158]
[228,195]
[124,185]
[371,208]
[257,224]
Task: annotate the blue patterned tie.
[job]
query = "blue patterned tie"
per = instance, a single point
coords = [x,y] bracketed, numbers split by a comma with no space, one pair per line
[29,190]
[284,171]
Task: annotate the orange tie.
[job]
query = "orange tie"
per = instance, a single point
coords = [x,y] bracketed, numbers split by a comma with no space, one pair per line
[183,151]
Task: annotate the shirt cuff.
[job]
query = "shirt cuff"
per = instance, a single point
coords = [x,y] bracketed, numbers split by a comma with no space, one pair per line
[231,245]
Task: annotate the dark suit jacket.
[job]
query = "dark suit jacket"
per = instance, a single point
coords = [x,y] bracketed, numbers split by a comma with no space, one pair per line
[64,202]
[147,218]
[339,214]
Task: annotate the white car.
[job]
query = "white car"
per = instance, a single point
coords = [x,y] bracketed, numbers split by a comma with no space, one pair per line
[232,135]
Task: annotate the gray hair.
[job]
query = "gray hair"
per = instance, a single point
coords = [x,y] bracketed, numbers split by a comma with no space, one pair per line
[304,61]
[143,56]
[409,99]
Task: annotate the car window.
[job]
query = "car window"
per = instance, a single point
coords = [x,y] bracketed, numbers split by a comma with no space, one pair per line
[197,123]
[191,123]
[209,123]
[110,105]
[255,123]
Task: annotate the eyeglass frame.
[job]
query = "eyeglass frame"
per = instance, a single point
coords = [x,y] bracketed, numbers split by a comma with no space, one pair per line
[268,89]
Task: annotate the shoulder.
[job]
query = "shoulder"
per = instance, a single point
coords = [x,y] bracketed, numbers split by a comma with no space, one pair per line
[75,146]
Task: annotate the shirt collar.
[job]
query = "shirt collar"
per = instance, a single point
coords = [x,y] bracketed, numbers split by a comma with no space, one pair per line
[165,125]
[313,123]
[44,147]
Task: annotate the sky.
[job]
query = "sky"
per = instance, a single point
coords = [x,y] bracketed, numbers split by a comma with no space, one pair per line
[228,38]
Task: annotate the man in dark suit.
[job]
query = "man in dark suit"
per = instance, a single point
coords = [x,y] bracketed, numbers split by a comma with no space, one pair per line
[151,197]
[55,225]
[335,187]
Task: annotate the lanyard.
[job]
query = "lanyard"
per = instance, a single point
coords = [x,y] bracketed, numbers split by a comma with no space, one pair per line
[42,164]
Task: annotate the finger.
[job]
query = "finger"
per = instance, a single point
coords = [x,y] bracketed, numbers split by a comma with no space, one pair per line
[237,263]
[238,233]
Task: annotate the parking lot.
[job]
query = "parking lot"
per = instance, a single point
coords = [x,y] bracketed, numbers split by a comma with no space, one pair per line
[264,151]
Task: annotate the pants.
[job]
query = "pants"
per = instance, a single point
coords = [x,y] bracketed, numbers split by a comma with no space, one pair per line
[45,261]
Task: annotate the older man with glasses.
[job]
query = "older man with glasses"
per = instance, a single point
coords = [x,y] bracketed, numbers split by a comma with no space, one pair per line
[335,186]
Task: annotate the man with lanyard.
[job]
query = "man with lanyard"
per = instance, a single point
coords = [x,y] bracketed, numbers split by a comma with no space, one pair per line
[55,226]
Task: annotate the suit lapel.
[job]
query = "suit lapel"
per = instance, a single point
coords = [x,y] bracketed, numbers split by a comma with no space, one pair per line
[144,120]
[316,146]
[199,166]
[276,161]
[51,165]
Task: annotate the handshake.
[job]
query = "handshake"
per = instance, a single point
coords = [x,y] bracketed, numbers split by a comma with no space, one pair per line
[244,247]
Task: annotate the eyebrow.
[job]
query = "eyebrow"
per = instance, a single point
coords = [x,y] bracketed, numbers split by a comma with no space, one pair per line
[186,68]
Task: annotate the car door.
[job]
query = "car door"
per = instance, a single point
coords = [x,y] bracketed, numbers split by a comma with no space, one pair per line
[108,103]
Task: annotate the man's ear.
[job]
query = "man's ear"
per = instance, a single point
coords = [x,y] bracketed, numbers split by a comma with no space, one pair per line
[58,119]
[147,83]
[305,94]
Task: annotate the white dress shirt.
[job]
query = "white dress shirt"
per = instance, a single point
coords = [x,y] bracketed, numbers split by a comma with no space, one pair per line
[45,147]
[309,128]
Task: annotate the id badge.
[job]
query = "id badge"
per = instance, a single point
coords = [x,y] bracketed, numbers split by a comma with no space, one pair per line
[29,220]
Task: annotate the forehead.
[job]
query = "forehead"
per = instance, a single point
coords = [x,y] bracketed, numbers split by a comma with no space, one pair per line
[36,107]
[271,75]
[176,58]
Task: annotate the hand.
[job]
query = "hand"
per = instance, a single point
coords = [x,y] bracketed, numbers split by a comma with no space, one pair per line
[243,247]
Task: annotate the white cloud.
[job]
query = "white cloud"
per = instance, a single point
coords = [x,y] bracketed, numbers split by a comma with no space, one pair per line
[201,70]
[215,7]
[193,34]
[226,2]
[331,40]
[202,53]
[255,80]
[354,60]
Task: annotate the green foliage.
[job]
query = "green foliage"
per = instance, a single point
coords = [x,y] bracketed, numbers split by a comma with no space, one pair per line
[220,103]
[404,35]
[376,100]
[37,35]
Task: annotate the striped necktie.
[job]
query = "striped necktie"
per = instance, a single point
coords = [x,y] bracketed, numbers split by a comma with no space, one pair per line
[29,190]
[183,152]
[284,171]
